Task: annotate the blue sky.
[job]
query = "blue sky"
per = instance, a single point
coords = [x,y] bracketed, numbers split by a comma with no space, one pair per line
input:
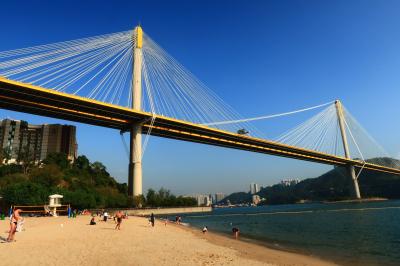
[261,57]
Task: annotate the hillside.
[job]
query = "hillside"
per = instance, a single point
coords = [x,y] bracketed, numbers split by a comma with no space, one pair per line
[331,186]
[83,184]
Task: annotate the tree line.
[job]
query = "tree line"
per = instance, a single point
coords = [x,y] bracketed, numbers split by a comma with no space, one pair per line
[83,184]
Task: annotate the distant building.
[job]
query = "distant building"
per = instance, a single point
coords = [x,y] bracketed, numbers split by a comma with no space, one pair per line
[289,182]
[219,197]
[36,141]
[254,188]
[212,200]
[203,200]
[256,199]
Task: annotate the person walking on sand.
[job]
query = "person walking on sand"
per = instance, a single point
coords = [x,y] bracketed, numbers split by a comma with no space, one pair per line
[235,232]
[205,229]
[152,219]
[13,224]
[118,215]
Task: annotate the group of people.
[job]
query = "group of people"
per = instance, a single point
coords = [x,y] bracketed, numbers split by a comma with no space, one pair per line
[16,220]
[117,218]
[178,219]
[235,231]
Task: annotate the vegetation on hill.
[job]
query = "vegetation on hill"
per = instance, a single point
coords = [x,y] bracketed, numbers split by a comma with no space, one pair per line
[238,198]
[332,186]
[82,183]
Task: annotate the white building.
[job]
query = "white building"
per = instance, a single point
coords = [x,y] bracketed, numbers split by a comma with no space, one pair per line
[254,188]
[289,182]
[203,200]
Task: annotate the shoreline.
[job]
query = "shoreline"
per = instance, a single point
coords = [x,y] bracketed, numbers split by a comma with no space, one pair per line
[362,200]
[256,249]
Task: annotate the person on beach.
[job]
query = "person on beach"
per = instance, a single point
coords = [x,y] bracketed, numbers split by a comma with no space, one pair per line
[118,215]
[235,232]
[152,219]
[205,229]
[92,222]
[105,216]
[13,224]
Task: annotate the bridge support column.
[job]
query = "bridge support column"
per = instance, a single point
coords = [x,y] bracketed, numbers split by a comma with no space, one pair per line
[135,157]
[135,161]
[339,111]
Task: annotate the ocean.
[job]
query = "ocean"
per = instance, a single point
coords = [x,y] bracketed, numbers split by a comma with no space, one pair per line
[347,233]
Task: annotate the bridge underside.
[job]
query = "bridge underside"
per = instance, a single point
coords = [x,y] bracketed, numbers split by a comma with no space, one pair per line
[31,99]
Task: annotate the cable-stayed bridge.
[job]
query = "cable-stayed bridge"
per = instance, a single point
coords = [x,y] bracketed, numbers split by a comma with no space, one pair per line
[127,82]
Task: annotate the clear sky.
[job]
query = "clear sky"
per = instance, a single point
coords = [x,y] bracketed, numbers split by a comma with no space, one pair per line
[261,57]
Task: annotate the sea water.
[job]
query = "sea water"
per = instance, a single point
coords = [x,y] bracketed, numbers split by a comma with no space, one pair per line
[346,233]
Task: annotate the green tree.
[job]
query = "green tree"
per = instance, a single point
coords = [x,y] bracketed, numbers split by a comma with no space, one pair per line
[98,167]
[6,154]
[25,158]
[82,162]
[26,193]
[49,175]
[59,159]
[137,201]
[151,198]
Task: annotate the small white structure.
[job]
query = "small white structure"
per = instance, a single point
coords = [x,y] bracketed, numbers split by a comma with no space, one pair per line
[54,202]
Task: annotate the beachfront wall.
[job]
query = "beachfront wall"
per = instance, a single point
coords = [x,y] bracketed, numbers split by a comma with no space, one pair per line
[158,211]
[142,212]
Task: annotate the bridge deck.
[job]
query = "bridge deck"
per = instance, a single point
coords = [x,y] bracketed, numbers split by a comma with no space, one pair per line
[31,99]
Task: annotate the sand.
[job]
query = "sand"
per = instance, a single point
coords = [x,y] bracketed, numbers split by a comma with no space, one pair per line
[63,241]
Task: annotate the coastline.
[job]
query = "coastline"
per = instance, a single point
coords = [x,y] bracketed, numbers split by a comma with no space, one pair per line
[363,200]
[257,250]
[63,241]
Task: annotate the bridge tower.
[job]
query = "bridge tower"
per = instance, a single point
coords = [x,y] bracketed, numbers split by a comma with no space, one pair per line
[135,156]
[339,111]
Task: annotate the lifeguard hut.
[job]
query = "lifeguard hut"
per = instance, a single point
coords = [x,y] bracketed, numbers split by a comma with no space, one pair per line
[54,203]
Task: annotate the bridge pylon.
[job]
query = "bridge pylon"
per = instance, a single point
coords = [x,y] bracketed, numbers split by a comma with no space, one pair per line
[341,119]
[135,156]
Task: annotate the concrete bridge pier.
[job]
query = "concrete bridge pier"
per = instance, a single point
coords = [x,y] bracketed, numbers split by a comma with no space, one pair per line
[356,187]
[339,111]
[135,156]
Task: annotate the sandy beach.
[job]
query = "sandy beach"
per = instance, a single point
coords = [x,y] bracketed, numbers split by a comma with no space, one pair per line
[63,241]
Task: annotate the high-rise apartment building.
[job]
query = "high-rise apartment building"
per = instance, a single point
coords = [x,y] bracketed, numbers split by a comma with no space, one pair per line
[202,200]
[18,140]
[219,197]
[254,188]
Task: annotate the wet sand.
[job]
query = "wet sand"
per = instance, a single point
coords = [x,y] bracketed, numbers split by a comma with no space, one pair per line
[62,241]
